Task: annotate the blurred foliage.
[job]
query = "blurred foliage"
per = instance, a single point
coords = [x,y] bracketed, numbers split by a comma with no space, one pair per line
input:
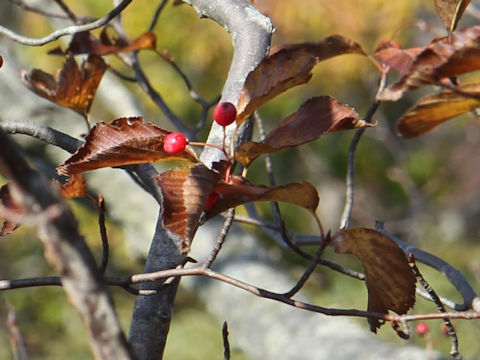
[425,189]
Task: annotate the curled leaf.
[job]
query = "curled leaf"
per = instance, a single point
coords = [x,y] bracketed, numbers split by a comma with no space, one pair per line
[240,192]
[185,190]
[85,43]
[124,141]
[431,111]
[450,12]
[288,66]
[443,58]
[389,278]
[315,118]
[71,87]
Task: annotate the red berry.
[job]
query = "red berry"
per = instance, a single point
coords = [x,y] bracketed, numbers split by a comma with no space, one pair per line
[211,201]
[174,143]
[225,113]
[421,328]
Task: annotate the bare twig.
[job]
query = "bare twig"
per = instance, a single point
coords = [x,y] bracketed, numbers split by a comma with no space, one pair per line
[66,250]
[221,239]
[65,31]
[43,12]
[438,303]
[19,347]
[103,235]
[350,185]
[226,344]
[157,15]
[67,10]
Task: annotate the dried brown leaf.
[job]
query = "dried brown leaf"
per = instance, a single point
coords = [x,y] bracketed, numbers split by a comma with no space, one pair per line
[12,211]
[86,43]
[315,118]
[185,190]
[450,12]
[124,141]
[286,67]
[443,58]
[431,111]
[71,87]
[389,279]
[240,192]
[391,54]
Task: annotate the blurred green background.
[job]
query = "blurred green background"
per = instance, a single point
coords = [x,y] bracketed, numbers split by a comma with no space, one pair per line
[426,190]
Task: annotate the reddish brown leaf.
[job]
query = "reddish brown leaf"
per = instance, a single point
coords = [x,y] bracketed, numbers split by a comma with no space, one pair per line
[71,87]
[74,187]
[13,211]
[86,43]
[316,117]
[185,190]
[431,111]
[122,142]
[390,281]
[391,54]
[240,192]
[450,12]
[443,58]
[287,67]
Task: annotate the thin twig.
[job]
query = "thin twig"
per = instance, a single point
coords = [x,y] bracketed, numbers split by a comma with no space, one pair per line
[350,182]
[43,12]
[306,275]
[157,15]
[17,343]
[438,303]
[226,344]
[66,10]
[221,239]
[103,235]
[65,31]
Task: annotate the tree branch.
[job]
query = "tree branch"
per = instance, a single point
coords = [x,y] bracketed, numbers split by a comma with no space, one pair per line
[66,250]
[65,31]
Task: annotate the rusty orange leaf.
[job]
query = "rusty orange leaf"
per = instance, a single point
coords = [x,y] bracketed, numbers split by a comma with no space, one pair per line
[391,54]
[124,141]
[315,118]
[75,187]
[71,87]
[185,190]
[389,278]
[286,67]
[431,111]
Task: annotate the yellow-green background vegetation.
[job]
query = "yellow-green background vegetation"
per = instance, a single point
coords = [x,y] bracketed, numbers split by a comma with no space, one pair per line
[392,174]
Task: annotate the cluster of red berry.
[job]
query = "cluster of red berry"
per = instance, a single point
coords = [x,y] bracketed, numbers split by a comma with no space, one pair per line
[174,143]
[224,114]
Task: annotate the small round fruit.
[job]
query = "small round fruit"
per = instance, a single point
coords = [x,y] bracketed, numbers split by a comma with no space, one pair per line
[225,113]
[211,201]
[174,143]
[421,328]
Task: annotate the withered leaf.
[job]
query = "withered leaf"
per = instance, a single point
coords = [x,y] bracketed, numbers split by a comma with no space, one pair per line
[85,43]
[13,211]
[185,190]
[391,54]
[124,141]
[288,66]
[389,279]
[450,12]
[316,117]
[240,192]
[443,58]
[74,187]
[71,87]
[431,111]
